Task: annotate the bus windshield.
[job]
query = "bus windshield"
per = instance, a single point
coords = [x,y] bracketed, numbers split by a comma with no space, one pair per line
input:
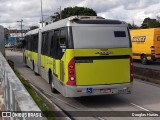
[100,37]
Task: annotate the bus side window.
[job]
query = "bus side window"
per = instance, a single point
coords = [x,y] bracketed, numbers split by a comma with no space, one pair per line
[35,43]
[44,44]
[62,39]
[51,39]
[25,42]
[29,43]
[47,43]
[55,44]
[42,48]
[32,43]
[60,42]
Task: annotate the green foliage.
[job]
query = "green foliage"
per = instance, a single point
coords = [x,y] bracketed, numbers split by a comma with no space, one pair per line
[132,26]
[33,27]
[71,11]
[150,23]
[44,108]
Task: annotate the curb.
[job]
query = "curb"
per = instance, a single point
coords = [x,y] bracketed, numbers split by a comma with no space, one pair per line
[52,106]
[146,79]
[146,74]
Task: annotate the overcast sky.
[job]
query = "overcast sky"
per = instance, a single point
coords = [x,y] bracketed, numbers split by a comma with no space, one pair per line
[29,10]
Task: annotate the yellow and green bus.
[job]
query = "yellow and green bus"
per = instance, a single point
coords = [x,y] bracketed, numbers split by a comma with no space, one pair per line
[82,56]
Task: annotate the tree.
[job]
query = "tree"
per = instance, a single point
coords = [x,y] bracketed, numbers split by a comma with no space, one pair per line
[150,23]
[132,26]
[33,27]
[70,11]
[158,19]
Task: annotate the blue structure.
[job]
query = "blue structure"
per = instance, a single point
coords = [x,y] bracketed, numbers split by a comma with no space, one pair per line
[11,40]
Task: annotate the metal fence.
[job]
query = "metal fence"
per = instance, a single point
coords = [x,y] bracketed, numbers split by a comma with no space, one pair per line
[18,104]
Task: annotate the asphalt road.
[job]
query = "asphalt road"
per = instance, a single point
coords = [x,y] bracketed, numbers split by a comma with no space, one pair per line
[145,96]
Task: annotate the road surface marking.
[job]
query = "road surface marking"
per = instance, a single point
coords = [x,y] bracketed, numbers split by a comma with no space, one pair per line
[100,118]
[139,107]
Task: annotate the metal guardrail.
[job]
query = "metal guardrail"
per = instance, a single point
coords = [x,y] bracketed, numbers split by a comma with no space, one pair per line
[16,97]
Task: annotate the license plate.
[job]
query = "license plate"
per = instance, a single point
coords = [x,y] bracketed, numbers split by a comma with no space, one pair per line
[105,90]
[124,91]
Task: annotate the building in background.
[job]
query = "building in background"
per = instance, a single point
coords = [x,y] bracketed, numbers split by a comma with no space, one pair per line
[2,50]
[14,36]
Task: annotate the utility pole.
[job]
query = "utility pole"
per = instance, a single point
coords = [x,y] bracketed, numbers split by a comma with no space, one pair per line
[41,14]
[60,12]
[8,34]
[21,28]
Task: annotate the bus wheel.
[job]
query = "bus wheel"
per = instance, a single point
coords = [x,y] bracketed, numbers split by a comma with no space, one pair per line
[33,65]
[144,60]
[25,60]
[34,68]
[52,83]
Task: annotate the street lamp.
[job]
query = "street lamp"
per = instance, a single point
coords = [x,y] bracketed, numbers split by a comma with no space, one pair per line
[41,14]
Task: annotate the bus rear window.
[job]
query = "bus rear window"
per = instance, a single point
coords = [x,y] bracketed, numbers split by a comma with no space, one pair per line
[119,34]
[100,37]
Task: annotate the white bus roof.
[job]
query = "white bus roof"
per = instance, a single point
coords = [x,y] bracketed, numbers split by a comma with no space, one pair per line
[83,21]
[32,32]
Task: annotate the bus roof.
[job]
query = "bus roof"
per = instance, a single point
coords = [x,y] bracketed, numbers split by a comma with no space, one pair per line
[83,21]
[32,32]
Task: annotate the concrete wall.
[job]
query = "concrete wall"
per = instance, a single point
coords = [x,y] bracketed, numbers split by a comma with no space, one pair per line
[15,96]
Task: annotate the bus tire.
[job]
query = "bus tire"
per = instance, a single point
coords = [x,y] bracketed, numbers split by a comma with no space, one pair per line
[25,60]
[51,80]
[144,60]
[34,68]
[33,65]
